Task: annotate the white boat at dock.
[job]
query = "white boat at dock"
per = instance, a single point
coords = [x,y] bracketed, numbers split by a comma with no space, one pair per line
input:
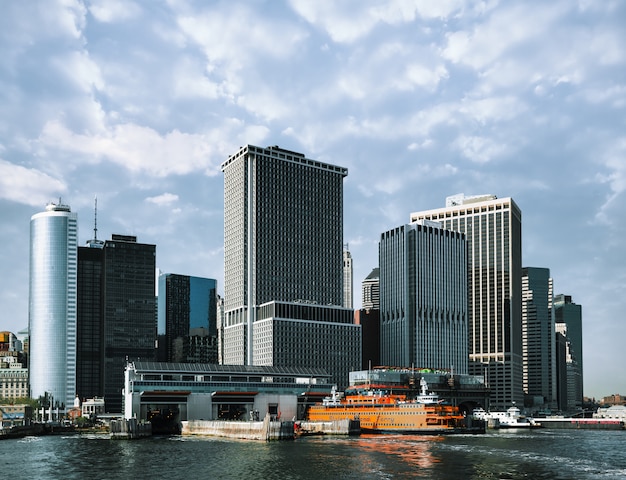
[511,418]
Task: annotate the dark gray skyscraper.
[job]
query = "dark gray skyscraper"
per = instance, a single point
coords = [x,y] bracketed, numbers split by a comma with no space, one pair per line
[130,327]
[116,314]
[423,297]
[538,338]
[283,257]
[568,318]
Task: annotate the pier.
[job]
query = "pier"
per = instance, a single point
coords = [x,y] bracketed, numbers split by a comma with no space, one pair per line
[268,429]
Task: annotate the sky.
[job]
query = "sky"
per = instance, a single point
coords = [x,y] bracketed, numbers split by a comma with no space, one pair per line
[138,103]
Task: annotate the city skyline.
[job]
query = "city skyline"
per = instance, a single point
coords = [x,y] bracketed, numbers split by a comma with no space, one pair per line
[140,104]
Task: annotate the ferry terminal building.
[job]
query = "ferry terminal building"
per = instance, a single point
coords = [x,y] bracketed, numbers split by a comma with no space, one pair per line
[189,391]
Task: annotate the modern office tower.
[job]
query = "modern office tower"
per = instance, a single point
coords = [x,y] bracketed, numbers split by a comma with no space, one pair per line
[187,318]
[562,349]
[369,319]
[568,313]
[493,230]
[283,263]
[423,297]
[371,290]
[538,341]
[129,328]
[220,330]
[348,281]
[52,304]
[90,321]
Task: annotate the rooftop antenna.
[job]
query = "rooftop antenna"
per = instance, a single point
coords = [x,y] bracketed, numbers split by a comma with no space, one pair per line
[95,243]
[95,217]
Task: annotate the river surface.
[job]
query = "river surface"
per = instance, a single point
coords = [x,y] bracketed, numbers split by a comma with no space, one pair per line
[498,454]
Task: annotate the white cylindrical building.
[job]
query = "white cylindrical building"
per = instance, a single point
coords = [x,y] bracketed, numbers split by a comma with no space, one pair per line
[52,304]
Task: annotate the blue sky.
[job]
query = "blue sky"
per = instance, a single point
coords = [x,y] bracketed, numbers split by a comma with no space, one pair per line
[139,102]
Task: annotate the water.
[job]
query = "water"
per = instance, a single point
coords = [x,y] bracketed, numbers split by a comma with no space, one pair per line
[510,455]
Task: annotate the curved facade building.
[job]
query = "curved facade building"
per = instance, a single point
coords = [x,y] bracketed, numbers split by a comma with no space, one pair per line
[52,304]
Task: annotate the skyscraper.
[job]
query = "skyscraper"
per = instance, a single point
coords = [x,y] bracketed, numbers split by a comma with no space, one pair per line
[493,229]
[90,321]
[569,314]
[283,263]
[370,288]
[538,338]
[348,281]
[423,297]
[130,326]
[187,318]
[52,304]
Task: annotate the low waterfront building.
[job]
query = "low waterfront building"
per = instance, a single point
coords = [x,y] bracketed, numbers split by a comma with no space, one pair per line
[13,378]
[176,392]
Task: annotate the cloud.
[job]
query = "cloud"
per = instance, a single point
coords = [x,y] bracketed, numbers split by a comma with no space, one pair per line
[349,21]
[137,148]
[28,186]
[479,149]
[164,199]
[109,11]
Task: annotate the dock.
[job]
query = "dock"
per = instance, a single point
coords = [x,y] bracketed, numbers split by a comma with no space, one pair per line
[268,429]
[582,423]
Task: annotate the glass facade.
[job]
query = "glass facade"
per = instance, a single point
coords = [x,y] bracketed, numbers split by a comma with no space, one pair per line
[187,307]
[89,380]
[52,304]
[538,330]
[423,298]
[130,315]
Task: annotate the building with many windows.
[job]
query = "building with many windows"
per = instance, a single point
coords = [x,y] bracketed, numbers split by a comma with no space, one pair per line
[568,319]
[283,249]
[370,288]
[129,328]
[90,321]
[493,230]
[187,318]
[348,281]
[52,304]
[538,338]
[423,297]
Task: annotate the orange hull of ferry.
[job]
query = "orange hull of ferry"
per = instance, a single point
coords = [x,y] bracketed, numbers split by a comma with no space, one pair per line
[392,414]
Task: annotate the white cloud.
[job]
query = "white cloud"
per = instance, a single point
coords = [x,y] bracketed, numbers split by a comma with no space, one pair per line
[28,186]
[78,68]
[164,199]
[479,149]
[109,11]
[138,149]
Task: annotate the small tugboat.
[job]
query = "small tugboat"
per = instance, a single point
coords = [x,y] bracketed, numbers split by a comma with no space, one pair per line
[512,418]
[386,409]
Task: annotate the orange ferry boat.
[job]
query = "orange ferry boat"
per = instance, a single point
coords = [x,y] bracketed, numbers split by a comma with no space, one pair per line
[385,409]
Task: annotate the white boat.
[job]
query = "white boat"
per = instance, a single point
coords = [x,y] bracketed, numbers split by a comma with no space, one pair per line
[512,418]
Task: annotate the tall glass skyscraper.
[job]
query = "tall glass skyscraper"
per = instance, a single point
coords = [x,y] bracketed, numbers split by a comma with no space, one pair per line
[423,297]
[538,334]
[187,318]
[568,315]
[52,304]
[493,229]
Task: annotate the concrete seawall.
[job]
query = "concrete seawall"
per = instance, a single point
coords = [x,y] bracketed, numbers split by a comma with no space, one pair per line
[267,429]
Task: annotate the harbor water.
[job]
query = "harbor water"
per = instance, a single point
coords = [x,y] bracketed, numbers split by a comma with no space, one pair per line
[498,454]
